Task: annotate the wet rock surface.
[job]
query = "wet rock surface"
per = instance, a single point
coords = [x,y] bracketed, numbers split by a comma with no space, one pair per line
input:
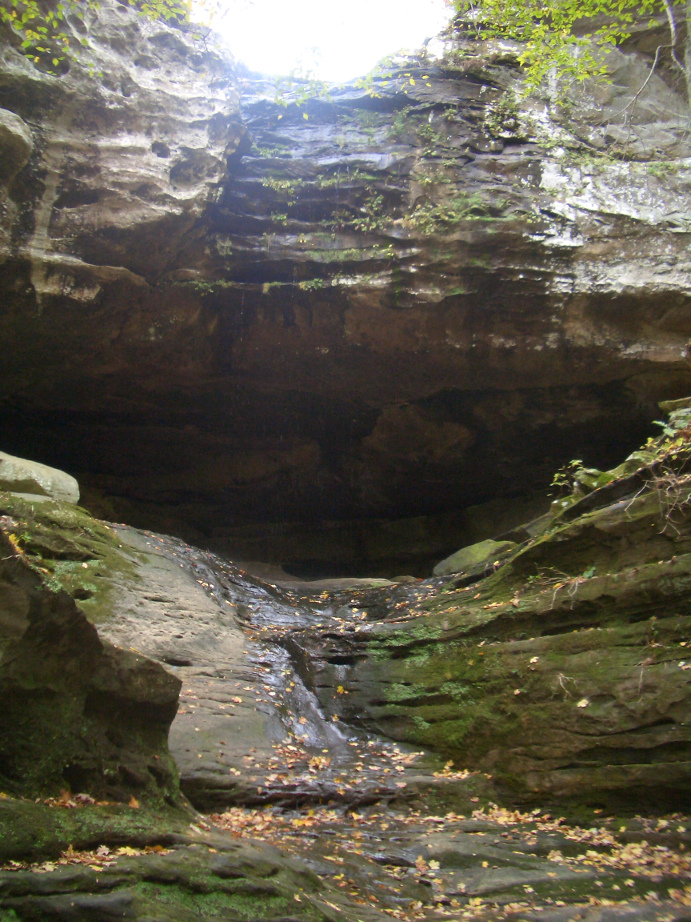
[310,812]
[371,865]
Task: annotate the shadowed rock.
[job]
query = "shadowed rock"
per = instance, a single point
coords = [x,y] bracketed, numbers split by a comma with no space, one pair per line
[79,714]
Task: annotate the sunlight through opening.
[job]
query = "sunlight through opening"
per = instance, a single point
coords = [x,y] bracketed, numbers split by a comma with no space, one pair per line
[330,41]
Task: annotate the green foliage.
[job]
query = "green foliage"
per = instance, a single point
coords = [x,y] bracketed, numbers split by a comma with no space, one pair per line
[43,31]
[342,178]
[299,88]
[502,118]
[676,434]
[400,123]
[433,218]
[311,284]
[438,177]
[368,122]
[565,477]
[287,186]
[373,217]
[278,151]
[566,37]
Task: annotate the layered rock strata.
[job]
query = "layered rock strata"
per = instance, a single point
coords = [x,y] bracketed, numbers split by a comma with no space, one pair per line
[382,303]
[563,672]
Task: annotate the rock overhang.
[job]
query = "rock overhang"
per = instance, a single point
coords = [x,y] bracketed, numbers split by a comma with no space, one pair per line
[397,307]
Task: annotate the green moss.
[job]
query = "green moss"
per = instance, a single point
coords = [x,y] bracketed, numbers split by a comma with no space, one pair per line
[209,287]
[352,254]
[455,689]
[70,550]
[401,692]
[29,831]
[250,899]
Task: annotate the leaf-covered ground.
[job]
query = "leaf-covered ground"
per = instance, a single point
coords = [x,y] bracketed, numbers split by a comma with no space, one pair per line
[491,864]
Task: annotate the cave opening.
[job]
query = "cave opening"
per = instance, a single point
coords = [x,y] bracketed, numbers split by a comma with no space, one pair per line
[318,489]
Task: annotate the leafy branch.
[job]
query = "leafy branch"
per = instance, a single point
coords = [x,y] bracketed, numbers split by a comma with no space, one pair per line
[43,31]
[571,38]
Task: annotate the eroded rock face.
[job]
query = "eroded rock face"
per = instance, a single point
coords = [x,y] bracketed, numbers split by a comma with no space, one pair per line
[408,303]
[563,673]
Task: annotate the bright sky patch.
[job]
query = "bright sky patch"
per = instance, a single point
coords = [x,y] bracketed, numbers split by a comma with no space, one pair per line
[331,41]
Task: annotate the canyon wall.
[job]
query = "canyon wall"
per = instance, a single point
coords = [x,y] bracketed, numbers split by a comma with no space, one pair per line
[316,329]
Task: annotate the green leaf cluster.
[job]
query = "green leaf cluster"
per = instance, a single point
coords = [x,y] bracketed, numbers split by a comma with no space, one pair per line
[45,36]
[568,37]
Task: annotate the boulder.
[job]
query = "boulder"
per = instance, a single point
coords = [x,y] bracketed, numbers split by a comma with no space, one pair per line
[79,714]
[15,145]
[29,477]
[475,559]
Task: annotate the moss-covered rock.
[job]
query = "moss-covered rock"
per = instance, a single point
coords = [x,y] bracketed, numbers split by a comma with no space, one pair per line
[475,559]
[69,549]
[565,673]
[78,713]
[138,864]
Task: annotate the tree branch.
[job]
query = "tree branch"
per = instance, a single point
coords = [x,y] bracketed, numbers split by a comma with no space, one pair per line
[634,99]
[685,68]
[669,12]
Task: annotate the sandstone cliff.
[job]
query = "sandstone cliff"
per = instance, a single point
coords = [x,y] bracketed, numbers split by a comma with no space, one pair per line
[427,294]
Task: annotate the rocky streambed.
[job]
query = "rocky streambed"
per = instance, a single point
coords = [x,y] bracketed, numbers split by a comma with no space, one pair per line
[507,741]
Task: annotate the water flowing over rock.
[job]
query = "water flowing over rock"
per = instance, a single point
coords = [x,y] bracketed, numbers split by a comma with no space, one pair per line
[336,335]
[556,677]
